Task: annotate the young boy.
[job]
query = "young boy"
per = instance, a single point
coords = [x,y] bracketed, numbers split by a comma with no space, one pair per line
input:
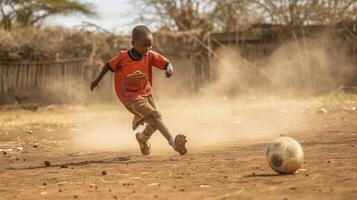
[133,85]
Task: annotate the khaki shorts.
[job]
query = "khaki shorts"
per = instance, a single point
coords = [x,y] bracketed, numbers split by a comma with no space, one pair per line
[143,109]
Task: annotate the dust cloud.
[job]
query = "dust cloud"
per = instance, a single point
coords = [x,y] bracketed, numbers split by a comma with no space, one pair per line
[246,102]
[297,68]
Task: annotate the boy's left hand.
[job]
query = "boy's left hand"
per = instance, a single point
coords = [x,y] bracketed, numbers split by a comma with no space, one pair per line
[94,84]
[169,70]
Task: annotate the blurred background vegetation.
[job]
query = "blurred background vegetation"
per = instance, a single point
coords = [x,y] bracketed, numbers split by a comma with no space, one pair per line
[186,31]
[24,36]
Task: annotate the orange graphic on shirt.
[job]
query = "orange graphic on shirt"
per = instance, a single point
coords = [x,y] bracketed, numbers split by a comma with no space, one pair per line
[136,74]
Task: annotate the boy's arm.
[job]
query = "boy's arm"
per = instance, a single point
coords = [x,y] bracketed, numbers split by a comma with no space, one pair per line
[104,70]
[162,63]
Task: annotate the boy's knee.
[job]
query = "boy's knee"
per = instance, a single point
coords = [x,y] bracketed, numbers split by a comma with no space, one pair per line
[155,115]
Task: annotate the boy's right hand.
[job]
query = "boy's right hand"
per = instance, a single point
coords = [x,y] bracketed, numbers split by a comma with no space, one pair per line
[94,84]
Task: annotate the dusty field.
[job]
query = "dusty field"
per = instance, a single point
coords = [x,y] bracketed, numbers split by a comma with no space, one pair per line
[226,158]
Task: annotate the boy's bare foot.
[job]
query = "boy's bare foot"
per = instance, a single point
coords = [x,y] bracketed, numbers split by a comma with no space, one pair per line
[180,144]
[144,145]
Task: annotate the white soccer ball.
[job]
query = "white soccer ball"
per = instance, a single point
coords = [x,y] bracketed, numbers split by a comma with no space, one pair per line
[285,155]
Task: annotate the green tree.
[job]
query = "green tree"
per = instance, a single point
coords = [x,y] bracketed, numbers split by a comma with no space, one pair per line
[30,12]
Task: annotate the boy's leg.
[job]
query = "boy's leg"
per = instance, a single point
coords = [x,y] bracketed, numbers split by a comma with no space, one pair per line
[139,119]
[178,143]
[155,121]
[147,132]
[146,109]
[143,138]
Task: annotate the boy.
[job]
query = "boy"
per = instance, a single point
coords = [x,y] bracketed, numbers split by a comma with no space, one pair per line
[133,85]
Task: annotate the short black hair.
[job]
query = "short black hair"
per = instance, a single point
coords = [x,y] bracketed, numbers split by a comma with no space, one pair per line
[139,31]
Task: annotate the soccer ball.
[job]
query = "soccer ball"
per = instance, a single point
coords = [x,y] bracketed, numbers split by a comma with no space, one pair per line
[285,155]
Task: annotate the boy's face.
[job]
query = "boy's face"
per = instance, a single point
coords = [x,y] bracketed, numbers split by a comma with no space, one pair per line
[143,43]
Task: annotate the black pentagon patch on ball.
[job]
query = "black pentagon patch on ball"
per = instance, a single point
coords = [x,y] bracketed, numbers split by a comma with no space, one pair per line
[276,160]
[277,145]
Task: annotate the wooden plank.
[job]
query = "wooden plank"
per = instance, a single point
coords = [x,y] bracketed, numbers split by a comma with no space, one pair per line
[6,79]
[59,75]
[2,91]
[41,77]
[52,76]
[18,76]
[12,76]
[63,80]
[21,82]
[55,78]
[65,77]
[32,75]
[47,76]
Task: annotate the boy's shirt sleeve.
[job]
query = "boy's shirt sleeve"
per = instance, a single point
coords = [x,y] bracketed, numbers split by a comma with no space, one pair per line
[158,60]
[114,62]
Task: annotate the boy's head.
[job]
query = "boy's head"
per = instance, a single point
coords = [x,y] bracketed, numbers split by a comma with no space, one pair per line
[142,39]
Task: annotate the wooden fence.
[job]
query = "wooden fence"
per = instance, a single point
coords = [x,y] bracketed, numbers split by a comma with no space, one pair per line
[46,75]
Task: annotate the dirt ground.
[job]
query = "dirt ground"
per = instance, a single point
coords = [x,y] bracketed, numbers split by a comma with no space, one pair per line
[83,164]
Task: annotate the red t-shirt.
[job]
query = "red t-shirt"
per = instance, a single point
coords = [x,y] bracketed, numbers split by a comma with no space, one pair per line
[133,78]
